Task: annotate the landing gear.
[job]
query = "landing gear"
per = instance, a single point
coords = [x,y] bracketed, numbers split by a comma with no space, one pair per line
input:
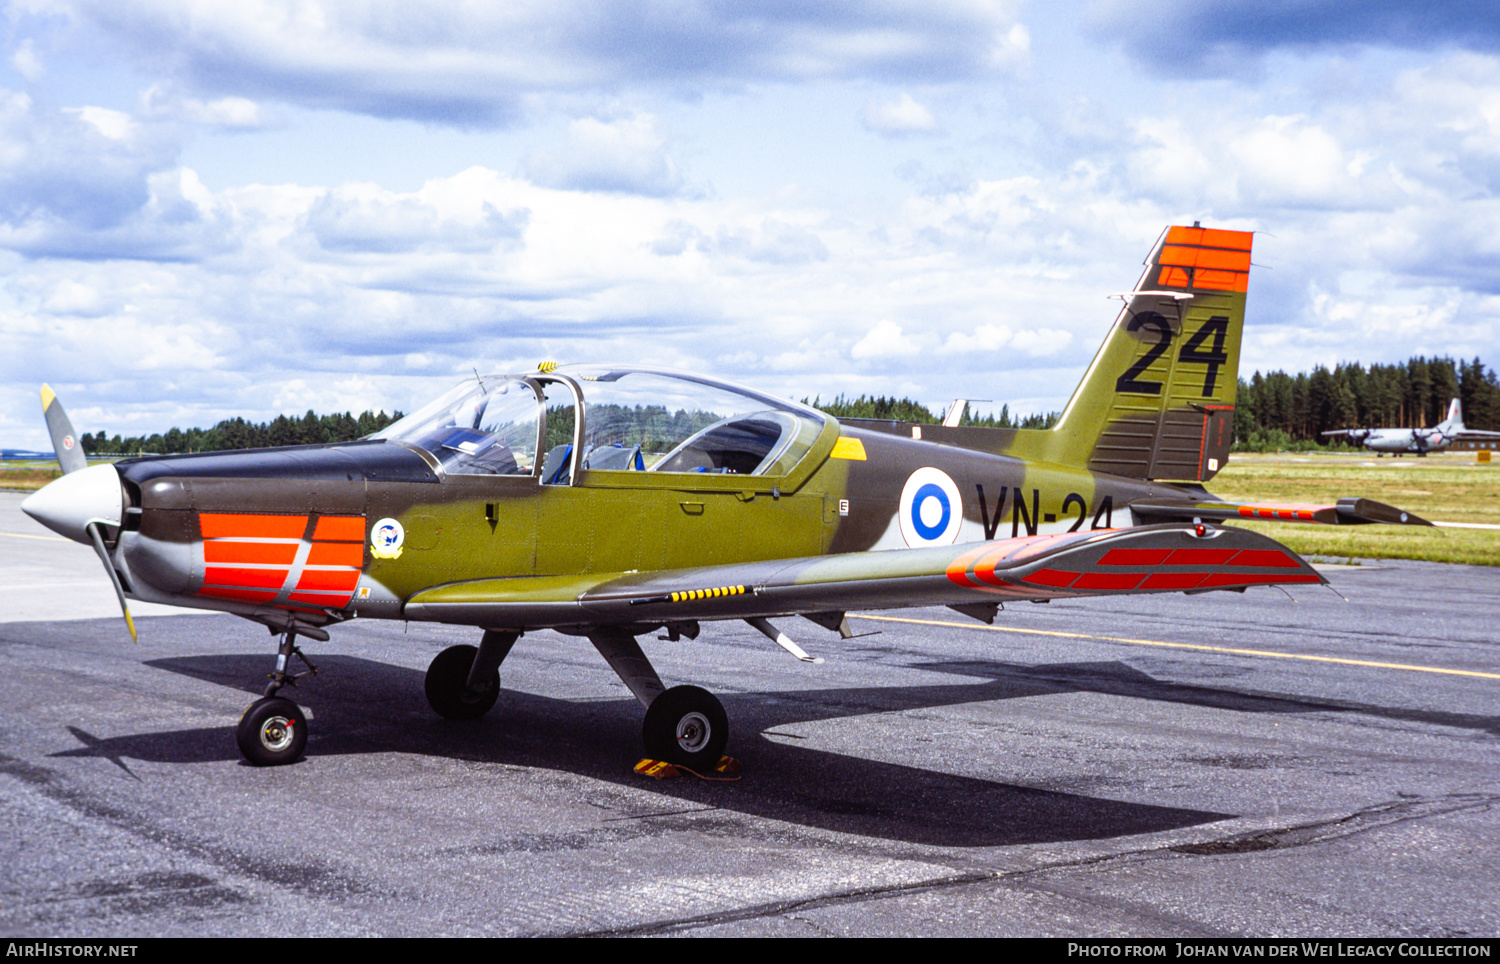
[684,725]
[687,726]
[463,682]
[273,731]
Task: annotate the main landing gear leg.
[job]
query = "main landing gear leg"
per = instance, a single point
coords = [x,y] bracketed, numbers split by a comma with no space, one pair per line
[684,725]
[272,731]
[463,682]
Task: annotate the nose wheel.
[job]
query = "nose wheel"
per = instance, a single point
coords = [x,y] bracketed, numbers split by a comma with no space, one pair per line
[272,732]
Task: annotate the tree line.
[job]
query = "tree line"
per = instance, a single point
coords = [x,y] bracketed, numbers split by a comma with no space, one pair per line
[237,433]
[1278,410]
[1273,410]
[909,410]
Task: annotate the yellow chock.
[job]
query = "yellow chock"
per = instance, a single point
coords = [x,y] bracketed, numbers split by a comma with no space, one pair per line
[662,770]
[657,769]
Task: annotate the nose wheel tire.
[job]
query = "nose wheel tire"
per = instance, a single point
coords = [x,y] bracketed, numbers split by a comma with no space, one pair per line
[272,732]
[687,726]
[447,678]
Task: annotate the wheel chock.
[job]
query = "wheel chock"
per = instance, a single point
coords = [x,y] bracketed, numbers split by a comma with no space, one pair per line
[662,770]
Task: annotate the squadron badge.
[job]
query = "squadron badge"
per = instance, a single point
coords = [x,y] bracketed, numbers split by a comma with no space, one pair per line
[386,537]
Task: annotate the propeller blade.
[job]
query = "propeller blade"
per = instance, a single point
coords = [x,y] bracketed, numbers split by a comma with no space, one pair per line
[114,577]
[64,439]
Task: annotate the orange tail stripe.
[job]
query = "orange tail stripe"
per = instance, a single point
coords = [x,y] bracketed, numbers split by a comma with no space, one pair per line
[217,525]
[224,576]
[336,554]
[275,553]
[340,528]
[1211,237]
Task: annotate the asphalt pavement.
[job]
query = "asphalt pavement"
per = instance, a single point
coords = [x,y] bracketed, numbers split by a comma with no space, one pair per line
[1254,764]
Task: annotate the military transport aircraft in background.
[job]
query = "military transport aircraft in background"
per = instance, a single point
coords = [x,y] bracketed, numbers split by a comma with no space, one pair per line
[1449,433]
[614,501]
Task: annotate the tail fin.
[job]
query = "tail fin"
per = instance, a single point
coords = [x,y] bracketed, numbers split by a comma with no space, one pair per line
[1158,400]
[1455,420]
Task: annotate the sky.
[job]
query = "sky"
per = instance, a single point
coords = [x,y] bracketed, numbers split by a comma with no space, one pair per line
[212,210]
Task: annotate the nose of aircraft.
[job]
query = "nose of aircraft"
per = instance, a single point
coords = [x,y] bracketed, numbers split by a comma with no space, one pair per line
[68,505]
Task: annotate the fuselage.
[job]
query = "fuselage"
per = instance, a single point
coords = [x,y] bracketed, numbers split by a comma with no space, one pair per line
[330,532]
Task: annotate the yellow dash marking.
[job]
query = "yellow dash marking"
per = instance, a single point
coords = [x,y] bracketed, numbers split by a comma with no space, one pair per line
[848,448]
[25,535]
[1196,646]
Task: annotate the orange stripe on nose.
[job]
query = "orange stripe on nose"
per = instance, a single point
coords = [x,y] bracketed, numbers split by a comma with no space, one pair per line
[250,595]
[340,528]
[331,580]
[275,553]
[344,554]
[259,578]
[221,525]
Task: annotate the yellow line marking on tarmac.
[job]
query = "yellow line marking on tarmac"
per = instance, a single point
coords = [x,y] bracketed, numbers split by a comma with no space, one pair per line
[27,535]
[1197,646]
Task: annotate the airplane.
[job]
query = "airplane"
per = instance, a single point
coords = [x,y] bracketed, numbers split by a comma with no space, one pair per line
[1449,433]
[616,502]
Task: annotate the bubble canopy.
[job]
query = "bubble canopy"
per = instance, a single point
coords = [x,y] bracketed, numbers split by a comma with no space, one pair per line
[595,417]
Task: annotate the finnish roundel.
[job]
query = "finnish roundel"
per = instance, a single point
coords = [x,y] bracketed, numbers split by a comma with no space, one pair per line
[931,510]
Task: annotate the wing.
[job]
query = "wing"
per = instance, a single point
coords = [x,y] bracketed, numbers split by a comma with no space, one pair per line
[1344,512]
[1475,435]
[1144,559]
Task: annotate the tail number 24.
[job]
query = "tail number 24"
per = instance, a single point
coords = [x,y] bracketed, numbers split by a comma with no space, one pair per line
[1192,352]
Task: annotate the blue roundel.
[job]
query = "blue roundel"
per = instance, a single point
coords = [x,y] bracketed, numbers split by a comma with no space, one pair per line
[930,491]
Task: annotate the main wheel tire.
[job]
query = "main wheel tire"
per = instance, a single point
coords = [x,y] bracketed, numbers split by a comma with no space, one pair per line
[272,732]
[687,726]
[446,677]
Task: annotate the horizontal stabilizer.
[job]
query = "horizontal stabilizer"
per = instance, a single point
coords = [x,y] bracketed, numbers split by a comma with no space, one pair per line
[1345,512]
[1144,559]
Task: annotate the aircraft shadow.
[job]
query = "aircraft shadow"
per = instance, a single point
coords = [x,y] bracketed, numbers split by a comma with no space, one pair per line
[362,706]
[1120,679]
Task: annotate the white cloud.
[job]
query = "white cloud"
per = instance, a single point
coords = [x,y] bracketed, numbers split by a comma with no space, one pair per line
[900,116]
[627,155]
[26,61]
[884,340]
[233,113]
[463,63]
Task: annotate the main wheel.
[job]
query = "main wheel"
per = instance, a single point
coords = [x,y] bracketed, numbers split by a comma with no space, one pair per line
[272,732]
[446,677]
[687,726]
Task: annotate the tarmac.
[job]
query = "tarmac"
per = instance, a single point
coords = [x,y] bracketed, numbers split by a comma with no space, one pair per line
[1260,764]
